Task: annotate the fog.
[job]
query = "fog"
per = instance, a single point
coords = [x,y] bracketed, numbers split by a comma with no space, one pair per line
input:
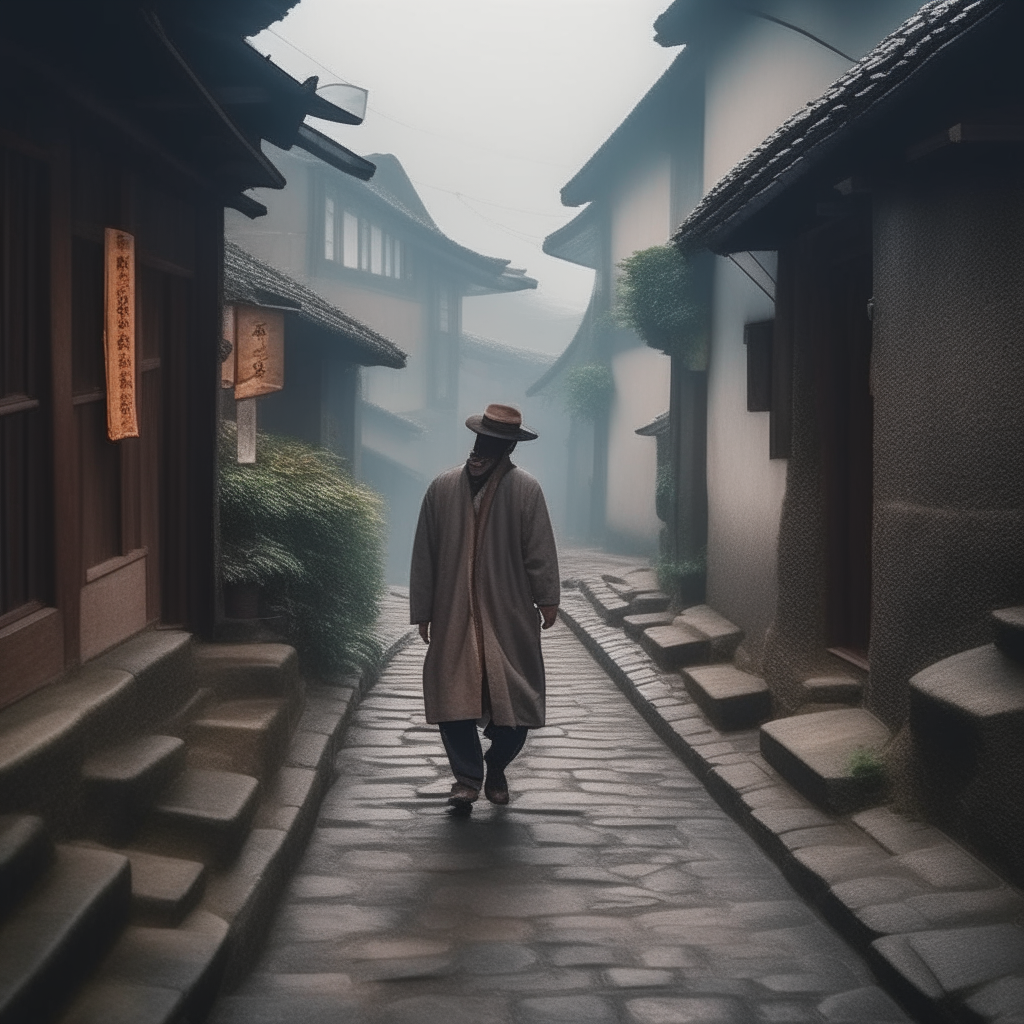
[491,107]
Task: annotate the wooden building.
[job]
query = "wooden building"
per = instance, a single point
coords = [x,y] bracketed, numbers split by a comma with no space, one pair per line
[147,121]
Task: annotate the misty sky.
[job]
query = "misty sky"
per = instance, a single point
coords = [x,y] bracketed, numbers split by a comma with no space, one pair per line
[500,101]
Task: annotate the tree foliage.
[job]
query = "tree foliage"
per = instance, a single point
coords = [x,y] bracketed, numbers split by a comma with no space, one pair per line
[658,298]
[588,390]
[297,525]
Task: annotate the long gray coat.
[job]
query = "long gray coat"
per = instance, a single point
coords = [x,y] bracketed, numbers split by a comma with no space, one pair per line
[483,610]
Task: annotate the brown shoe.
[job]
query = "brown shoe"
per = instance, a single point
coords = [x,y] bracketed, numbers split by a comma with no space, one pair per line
[496,788]
[462,795]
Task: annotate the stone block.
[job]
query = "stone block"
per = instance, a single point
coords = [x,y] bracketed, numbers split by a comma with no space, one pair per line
[832,690]
[732,699]
[203,815]
[723,636]
[634,625]
[121,782]
[674,646]
[1009,629]
[814,753]
[967,717]
[861,1005]
[164,889]
[59,932]
[963,958]
[608,605]
[148,963]
[249,670]
[649,601]
[896,833]
[248,736]
[25,852]
[948,867]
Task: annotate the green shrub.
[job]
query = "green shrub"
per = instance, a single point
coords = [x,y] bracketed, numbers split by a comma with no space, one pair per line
[682,580]
[588,391]
[658,298]
[299,527]
[868,768]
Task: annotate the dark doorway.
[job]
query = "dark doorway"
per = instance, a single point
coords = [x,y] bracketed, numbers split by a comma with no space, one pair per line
[847,428]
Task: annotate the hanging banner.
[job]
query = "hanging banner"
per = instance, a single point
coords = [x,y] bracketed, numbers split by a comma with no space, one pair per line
[119,333]
[259,348]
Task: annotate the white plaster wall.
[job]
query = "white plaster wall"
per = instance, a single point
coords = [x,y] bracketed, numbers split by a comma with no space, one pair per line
[745,487]
[641,208]
[642,382]
[754,82]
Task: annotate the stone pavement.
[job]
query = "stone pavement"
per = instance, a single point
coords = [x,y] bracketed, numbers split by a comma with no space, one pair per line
[612,889]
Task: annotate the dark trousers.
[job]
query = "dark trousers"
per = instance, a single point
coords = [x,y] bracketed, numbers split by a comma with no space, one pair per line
[466,756]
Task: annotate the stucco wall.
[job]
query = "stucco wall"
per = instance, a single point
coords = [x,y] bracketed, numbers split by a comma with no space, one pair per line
[641,207]
[642,381]
[949,418]
[745,487]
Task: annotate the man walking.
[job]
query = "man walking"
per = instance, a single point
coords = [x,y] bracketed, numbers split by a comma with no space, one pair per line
[484,576]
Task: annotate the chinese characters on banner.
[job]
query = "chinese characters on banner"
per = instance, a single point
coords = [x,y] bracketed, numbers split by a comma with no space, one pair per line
[259,351]
[119,333]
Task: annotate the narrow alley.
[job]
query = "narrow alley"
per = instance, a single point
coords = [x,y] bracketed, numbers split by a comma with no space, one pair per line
[612,889]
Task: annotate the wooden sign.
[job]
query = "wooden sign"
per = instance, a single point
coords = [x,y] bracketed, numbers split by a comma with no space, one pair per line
[119,333]
[259,348]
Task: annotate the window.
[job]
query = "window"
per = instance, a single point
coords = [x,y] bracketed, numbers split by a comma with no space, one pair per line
[388,247]
[758,339]
[329,229]
[396,259]
[24,344]
[364,245]
[376,250]
[350,240]
[444,311]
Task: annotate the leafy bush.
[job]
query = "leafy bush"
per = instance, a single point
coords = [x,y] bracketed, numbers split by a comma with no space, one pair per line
[657,298]
[682,580]
[868,768]
[299,527]
[588,391]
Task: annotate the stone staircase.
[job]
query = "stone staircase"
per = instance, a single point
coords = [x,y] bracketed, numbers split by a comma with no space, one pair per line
[151,809]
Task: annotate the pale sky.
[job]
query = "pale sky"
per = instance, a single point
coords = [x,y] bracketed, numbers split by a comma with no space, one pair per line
[499,101]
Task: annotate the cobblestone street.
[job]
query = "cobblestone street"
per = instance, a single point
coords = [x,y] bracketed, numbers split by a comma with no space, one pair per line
[612,889]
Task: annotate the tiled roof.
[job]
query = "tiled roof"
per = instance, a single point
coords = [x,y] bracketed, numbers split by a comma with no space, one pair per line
[809,135]
[247,279]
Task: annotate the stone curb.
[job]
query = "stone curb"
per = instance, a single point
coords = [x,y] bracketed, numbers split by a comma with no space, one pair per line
[941,932]
[247,893]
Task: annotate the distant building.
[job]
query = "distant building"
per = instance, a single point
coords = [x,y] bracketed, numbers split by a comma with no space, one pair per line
[743,72]
[373,250]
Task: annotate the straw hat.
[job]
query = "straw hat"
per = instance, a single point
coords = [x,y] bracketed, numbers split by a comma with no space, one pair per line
[502,421]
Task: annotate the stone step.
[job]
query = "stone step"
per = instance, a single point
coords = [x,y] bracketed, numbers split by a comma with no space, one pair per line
[608,605]
[177,723]
[164,889]
[249,670]
[649,601]
[1009,629]
[675,646]
[634,625]
[723,636]
[967,718]
[120,783]
[203,815]
[45,736]
[156,976]
[829,756]
[730,698]
[60,930]
[832,690]
[247,736]
[25,852]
